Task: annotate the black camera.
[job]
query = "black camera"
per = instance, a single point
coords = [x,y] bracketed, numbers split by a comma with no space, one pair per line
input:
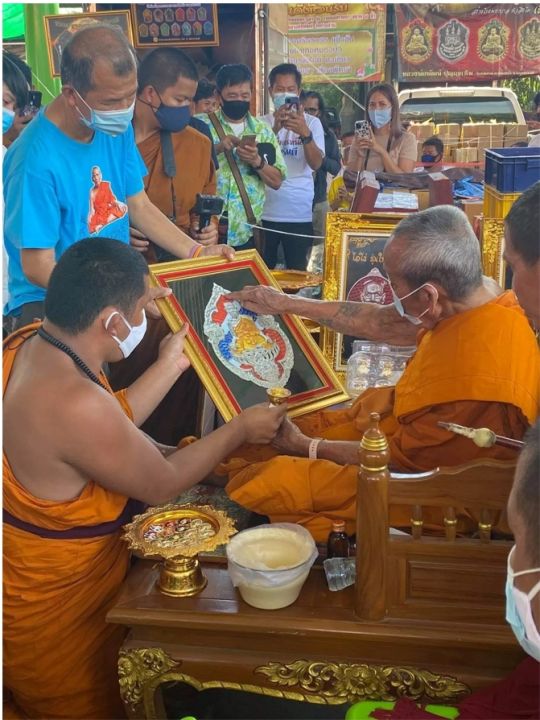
[205,207]
[33,104]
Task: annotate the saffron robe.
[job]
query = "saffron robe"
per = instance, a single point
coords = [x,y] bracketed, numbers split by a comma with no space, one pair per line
[64,562]
[479,368]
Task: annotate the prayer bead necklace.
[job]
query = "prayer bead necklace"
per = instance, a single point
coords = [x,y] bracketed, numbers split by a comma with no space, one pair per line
[73,355]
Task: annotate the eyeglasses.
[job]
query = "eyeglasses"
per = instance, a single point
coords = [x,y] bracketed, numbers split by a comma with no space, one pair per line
[311,111]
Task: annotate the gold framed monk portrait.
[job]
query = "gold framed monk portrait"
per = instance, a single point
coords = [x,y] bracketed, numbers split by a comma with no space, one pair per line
[354,271]
[238,354]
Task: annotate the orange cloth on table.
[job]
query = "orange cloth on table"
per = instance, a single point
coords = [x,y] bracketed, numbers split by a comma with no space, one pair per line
[194,170]
[479,368]
[60,656]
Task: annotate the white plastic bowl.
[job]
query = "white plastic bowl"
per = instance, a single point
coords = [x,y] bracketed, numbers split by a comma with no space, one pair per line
[270,563]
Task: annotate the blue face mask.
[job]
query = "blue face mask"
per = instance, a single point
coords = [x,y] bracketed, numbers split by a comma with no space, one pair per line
[429,159]
[8,118]
[380,118]
[401,310]
[112,122]
[173,119]
[518,611]
[279,99]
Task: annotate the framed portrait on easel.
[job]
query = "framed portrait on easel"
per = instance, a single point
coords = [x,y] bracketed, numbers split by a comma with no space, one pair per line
[354,271]
[238,354]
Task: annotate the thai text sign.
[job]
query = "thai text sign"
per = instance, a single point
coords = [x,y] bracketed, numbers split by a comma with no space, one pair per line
[459,43]
[337,41]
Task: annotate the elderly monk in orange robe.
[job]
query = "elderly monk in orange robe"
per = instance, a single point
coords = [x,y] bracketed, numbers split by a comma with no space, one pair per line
[73,456]
[477,364]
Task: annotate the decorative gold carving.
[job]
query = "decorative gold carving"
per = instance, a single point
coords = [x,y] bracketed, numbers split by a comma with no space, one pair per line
[136,668]
[340,682]
[492,249]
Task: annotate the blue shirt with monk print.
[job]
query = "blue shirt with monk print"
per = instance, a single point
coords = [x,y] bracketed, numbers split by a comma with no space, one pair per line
[58,190]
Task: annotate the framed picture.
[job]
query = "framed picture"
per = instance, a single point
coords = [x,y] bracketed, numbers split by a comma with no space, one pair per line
[237,354]
[492,250]
[176,24]
[60,28]
[353,270]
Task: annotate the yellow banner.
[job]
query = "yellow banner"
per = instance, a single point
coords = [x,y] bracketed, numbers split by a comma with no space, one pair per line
[337,41]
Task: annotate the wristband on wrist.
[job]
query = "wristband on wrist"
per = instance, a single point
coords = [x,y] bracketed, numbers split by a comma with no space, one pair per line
[195,251]
[260,165]
[313,445]
[307,139]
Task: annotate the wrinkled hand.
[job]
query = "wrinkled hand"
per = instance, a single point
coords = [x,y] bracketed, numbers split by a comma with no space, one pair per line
[261,422]
[296,122]
[171,350]
[261,299]
[290,440]
[207,236]
[137,240]
[225,251]
[151,308]
[249,154]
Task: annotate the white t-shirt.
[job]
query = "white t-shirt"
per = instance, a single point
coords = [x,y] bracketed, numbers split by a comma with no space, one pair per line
[237,128]
[294,200]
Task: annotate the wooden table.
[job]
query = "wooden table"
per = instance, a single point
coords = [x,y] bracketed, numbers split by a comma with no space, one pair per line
[315,652]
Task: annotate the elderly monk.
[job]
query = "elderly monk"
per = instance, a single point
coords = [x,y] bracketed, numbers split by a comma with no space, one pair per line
[73,458]
[476,364]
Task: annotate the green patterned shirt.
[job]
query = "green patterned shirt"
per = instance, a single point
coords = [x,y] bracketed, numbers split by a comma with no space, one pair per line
[239,230]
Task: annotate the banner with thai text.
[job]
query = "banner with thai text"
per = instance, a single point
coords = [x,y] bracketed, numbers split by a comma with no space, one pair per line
[341,42]
[464,43]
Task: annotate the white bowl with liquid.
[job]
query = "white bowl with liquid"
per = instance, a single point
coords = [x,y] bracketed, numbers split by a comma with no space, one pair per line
[270,563]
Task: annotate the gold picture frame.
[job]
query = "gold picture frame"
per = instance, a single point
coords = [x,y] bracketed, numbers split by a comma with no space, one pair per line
[493,263]
[60,28]
[343,265]
[223,355]
[175,24]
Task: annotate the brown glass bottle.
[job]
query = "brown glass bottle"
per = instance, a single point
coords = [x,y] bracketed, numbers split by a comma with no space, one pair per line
[338,541]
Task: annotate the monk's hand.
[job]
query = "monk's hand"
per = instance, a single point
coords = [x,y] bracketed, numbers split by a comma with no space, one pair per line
[290,440]
[226,251]
[151,308]
[207,236]
[171,350]
[261,422]
[138,240]
[261,299]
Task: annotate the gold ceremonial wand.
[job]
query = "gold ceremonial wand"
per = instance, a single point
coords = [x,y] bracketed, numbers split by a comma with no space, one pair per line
[483,437]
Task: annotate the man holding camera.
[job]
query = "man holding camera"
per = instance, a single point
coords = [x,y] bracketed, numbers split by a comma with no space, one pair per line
[288,214]
[251,156]
[181,182]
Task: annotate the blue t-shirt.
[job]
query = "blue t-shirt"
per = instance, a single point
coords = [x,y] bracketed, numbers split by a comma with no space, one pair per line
[58,190]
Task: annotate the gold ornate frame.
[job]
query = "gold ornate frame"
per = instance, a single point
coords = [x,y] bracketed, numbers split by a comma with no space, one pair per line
[328,392]
[340,227]
[492,249]
[141,671]
[100,16]
[179,42]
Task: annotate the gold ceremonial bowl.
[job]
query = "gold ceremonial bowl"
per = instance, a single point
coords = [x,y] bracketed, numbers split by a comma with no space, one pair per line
[176,534]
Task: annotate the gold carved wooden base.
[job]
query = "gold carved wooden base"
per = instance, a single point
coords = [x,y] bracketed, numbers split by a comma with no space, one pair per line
[142,670]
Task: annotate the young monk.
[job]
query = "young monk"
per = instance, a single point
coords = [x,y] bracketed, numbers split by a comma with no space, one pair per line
[74,465]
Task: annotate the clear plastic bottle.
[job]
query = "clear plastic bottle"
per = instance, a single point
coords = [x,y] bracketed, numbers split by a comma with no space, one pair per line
[338,541]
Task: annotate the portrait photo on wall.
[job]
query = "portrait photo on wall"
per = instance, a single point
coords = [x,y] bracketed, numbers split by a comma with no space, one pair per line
[238,354]
[59,29]
[354,271]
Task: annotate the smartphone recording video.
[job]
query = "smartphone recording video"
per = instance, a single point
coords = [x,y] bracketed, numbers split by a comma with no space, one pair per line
[292,103]
[33,104]
[361,129]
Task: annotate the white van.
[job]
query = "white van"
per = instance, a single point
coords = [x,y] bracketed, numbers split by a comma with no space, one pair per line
[460,105]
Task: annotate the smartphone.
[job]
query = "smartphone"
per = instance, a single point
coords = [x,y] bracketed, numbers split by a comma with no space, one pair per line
[362,129]
[292,103]
[247,140]
[33,104]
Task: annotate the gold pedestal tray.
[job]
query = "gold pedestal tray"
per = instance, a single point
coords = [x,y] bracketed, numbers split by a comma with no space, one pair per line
[294,280]
[176,534]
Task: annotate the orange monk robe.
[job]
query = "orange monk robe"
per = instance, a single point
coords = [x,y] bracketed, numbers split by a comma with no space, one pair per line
[60,656]
[195,173]
[479,368]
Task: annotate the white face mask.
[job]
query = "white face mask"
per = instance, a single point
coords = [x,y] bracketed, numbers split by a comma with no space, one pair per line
[519,613]
[415,320]
[135,335]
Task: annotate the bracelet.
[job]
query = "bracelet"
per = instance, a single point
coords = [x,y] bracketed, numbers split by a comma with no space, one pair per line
[260,165]
[307,139]
[313,445]
[196,250]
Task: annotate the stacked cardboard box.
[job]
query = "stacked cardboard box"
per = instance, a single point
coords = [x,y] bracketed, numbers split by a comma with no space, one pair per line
[449,134]
[513,133]
[422,131]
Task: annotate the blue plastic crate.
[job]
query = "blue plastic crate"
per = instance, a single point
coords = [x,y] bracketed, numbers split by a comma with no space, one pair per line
[512,170]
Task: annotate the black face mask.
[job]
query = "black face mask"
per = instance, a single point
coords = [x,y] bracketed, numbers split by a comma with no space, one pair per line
[235,109]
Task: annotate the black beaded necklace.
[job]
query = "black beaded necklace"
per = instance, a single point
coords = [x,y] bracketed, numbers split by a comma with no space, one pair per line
[76,359]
